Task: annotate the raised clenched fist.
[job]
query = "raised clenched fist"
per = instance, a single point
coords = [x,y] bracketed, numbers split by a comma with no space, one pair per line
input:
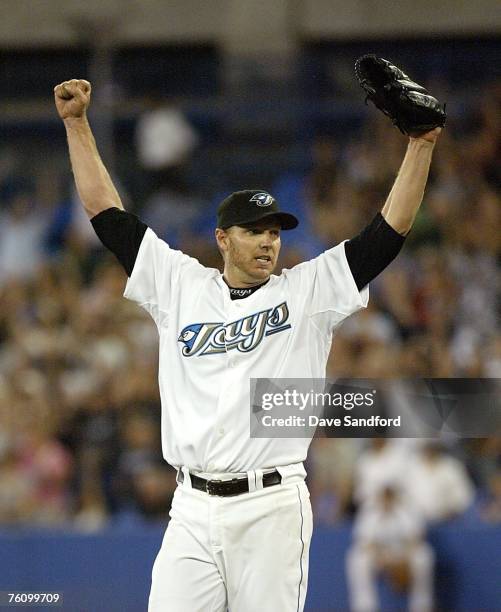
[72,98]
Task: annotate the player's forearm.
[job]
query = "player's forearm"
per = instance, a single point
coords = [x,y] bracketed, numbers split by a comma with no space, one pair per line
[94,185]
[407,193]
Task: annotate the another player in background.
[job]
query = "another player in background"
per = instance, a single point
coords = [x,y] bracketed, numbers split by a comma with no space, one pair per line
[389,542]
[241,520]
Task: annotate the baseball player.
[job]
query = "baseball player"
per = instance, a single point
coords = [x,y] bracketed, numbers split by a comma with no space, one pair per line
[389,541]
[241,519]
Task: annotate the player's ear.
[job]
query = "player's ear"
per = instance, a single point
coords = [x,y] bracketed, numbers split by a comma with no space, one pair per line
[221,239]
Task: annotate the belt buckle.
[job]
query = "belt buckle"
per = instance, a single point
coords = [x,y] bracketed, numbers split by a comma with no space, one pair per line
[212,487]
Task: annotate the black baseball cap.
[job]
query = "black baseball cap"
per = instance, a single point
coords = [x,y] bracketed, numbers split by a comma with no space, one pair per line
[251,205]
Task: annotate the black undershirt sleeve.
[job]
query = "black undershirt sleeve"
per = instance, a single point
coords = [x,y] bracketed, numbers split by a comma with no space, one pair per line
[121,232]
[372,250]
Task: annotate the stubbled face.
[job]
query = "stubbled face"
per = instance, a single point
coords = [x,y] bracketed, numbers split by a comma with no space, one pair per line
[250,253]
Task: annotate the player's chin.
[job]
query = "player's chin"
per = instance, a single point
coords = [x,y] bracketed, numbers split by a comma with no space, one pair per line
[262,270]
[261,273]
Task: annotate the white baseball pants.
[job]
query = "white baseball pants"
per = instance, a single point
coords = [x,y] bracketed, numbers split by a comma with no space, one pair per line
[243,553]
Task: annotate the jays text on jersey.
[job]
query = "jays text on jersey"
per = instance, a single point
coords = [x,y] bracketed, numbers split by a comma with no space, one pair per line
[210,347]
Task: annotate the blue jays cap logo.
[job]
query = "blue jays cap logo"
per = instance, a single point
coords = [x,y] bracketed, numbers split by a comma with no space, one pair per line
[262,199]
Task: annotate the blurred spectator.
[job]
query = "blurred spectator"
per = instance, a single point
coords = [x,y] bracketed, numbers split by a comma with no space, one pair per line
[50,466]
[172,210]
[438,484]
[482,457]
[491,508]
[22,231]
[165,141]
[153,490]
[17,503]
[91,512]
[34,480]
[492,356]
[389,543]
[331,464]
[164,137]
[309,196]
[12,175]
[138,441]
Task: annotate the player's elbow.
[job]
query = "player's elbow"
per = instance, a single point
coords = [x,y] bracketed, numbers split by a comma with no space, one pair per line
[95,203]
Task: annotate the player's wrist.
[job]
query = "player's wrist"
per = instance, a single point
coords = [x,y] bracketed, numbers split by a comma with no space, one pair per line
[430,137]
[420,144]
[72,123]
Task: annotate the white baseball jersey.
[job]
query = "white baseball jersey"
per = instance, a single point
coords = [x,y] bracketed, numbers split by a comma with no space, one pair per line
[390,528]
[210,346]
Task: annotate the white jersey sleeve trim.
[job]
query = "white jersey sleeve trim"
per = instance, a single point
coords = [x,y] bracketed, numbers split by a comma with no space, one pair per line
[348,299]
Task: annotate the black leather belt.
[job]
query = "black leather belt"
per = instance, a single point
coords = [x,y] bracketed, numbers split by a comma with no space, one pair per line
[235,486]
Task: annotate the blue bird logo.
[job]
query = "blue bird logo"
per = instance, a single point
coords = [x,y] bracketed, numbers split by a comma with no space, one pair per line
[189,335]
[262,199]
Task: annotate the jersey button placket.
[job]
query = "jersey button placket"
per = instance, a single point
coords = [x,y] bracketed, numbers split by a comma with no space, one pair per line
[222,403]
[230,360]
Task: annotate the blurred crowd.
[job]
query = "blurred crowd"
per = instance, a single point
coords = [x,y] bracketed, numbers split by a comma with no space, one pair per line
[79,403]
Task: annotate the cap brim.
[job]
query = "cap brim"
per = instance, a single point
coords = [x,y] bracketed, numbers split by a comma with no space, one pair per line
[286,220]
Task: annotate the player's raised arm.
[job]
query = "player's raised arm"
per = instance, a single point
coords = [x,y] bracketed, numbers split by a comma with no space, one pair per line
[94,185]
[121,232]
[377,245]
[416,113]
[405,198]
[419,115]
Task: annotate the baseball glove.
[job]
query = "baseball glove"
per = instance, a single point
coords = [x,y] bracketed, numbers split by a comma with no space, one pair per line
[409,105]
